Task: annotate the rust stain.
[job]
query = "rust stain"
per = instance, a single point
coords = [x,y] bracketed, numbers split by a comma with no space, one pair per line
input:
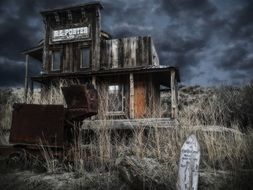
[34,124]
[46,124]
[81,100]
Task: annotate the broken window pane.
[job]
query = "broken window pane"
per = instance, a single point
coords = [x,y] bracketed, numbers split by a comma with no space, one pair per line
[115,99]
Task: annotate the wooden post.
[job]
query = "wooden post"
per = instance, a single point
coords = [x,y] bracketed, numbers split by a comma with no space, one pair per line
[94,82]
[51,92]
[45,48]
[31,89]
[131,78]
[173,87]
[26,76]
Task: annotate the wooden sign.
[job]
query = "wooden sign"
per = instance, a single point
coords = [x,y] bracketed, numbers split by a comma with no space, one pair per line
[189,165]
[70,34]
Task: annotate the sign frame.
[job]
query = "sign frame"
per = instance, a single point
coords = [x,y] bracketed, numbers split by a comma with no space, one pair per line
[70,34]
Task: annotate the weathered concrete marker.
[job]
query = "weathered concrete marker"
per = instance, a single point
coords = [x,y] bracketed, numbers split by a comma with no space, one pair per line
[189,165]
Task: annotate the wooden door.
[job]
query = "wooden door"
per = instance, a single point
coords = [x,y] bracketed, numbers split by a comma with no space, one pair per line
[139,99]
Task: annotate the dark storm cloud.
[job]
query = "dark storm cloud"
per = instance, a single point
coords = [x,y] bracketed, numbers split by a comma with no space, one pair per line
[203,33]
[210,40]
[242,25]
[194,7]
[21,28]
[12,71]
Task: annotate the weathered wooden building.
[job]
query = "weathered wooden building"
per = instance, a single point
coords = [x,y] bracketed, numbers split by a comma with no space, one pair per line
[126,72]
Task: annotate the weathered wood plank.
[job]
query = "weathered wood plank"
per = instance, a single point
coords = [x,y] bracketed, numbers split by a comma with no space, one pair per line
[145,51]
[109,52]
[125,52]
[165,123]
[115,56]
[133,51]
[131,79]
[140,58]
[103,56]
[155,58]
[67,57]
[128,52]
[26,76]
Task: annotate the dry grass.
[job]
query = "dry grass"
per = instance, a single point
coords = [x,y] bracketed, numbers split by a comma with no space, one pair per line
[7,98]
[216,119]
[52,95]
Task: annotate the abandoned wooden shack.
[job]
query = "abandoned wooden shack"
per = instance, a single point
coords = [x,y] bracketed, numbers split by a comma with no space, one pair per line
[126,71]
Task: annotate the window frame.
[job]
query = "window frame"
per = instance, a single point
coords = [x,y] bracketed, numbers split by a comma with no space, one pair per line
[121,112]
[52,60]
[81,57]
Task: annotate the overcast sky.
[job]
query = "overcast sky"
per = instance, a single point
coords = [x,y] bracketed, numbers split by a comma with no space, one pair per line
[209,40]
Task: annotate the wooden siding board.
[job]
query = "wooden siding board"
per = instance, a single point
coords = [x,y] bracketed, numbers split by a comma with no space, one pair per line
[66,58]
[146,50]
[125,61]
[154,55]
[120,53]
[140,52]
[76,58]
[109,52]
[149,49]
[103,64]
[133,51]
[127,52]
[131,84]
[115,55]
[70,50]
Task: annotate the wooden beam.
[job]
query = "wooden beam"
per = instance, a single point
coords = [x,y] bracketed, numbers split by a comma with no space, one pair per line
[45,49]
[51,92]
[69,13]
[26,76]
[131,79]
[31,89]
[174,99]
[94,82]
[57,17]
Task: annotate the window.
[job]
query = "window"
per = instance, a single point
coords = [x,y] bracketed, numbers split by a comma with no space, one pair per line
[85,58]
[56,60]
[115,99]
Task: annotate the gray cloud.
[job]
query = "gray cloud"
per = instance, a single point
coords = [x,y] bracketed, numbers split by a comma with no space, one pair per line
[210,40]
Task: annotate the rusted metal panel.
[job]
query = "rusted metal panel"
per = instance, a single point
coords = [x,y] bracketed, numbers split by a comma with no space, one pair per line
[6,150]
[33,124]
[81,100]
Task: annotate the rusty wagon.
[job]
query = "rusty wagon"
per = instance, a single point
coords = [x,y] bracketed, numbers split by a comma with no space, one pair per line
[36,126]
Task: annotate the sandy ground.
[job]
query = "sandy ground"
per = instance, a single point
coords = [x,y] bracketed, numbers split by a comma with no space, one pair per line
[27,180]
[16,175]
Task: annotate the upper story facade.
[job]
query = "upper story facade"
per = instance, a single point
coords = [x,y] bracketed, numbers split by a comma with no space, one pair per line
[74,42]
